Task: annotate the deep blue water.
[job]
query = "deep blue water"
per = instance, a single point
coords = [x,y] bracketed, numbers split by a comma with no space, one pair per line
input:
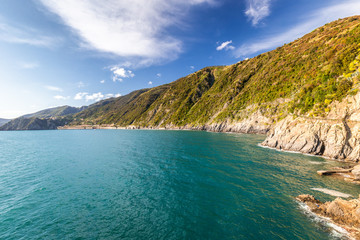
[138,184]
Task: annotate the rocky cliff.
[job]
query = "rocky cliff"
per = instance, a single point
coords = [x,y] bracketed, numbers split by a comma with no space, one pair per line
[337,135]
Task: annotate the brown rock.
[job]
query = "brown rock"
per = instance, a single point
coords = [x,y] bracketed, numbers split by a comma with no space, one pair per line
[356,172]
[344,213]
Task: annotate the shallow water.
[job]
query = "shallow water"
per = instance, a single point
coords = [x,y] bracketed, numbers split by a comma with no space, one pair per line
[139,184]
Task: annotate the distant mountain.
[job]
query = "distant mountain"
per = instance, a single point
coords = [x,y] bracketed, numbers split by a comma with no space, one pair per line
[22,123]
[3,121]
[55,112]
[43,120]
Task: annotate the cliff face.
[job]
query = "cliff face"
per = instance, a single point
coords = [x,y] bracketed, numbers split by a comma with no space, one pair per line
[336,136]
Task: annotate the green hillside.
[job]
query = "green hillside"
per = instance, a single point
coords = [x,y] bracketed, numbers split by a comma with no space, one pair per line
[301,78]
[55,112]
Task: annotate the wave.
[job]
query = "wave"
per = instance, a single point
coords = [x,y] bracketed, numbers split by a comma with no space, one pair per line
[336,231]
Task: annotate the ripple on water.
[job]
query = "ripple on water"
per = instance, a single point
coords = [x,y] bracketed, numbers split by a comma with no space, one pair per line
[122,184]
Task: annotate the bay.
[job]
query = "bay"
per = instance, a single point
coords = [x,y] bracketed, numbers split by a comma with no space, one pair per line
[142,184]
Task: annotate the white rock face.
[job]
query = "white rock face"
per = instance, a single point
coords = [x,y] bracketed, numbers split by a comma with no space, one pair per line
[336,136]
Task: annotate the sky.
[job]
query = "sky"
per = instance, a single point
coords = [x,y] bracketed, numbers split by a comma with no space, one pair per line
[67,52]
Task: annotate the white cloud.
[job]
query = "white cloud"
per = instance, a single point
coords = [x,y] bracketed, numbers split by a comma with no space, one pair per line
[26,35]
[29,65]
[257,10]
[59,97]
[192,67]
[80,84]
[158,75]
[102,81]
[150,82]
[225,45]
[53,88]
[127,28]
[120,73]
[95,96]
[312,21]
[80,95]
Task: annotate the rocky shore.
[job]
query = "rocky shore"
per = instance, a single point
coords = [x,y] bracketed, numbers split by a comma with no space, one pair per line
[344,213]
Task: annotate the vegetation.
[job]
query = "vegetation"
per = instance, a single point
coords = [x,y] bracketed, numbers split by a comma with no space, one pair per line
[300,78]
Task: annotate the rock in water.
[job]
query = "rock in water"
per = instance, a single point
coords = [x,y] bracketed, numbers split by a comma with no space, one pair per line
[345,214]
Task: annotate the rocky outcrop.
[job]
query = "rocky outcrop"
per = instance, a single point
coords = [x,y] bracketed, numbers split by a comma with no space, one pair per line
[336,136]
[345,214]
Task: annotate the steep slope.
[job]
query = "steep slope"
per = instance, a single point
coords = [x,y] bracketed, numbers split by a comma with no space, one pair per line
[300,79]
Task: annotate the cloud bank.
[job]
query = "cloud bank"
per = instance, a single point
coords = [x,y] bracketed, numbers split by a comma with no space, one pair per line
[132,29]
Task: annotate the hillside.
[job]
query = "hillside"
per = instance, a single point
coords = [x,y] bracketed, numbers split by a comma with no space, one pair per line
[41,120]
[22,123]
[300,78]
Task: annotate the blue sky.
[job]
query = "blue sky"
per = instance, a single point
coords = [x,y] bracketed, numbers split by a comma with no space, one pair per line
[68,52]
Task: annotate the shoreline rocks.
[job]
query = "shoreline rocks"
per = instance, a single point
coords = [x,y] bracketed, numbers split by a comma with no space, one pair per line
[344,213]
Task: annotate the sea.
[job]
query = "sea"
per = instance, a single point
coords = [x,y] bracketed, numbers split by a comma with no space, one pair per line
[158,184]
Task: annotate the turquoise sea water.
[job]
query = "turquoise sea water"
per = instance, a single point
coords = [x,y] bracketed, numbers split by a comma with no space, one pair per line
[138,184]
